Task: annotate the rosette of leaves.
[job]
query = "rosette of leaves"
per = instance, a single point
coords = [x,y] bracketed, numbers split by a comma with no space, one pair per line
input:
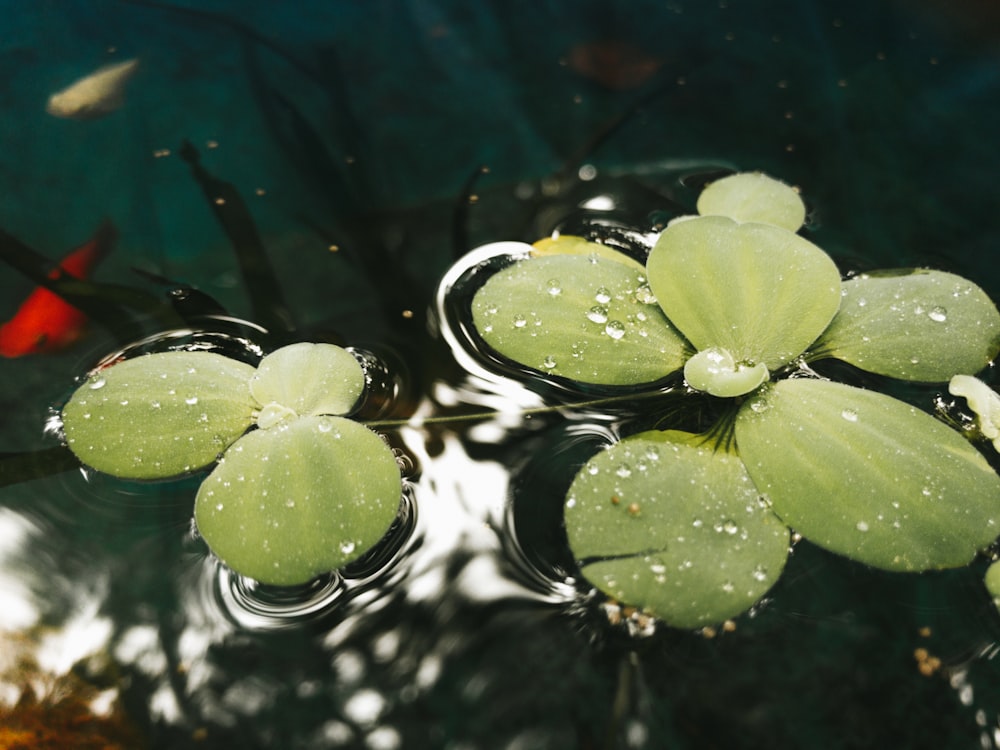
[297,488]
[695,530]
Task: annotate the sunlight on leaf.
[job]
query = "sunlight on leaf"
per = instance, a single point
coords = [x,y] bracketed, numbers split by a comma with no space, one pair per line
[753,196]
[568,244]
[869,477]
[666,523]
[919,325]
[585,318]
[306,497]
[159,415]
[759,292]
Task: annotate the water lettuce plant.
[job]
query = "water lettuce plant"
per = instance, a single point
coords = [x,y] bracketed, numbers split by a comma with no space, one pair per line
[297,489]
[695,528]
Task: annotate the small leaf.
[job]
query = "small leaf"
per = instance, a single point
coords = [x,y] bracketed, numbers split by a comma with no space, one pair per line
[922,325]
[308,496]
[992,581]
[159,415]
[307,379]
[759,292]
[587,318]
[867,476]
[753,196]
[665,522]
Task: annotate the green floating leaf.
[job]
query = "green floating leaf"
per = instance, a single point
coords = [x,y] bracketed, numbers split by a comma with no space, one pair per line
[306,379]
[992,581]
[753,196]
[159,415]
[568,244]
[663,522]
[759,292]
[922,325]
[287,504]
[869,477]
[585,318]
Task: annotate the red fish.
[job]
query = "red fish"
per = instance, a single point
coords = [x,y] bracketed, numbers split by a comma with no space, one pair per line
[45,322]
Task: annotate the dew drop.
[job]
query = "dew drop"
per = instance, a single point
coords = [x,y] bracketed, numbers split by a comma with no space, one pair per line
[760,573]
[347,547]
[730,527]
[645,295]
[191,401]
[97,383]
[615,329]
[603,296]
[861,526]
[553,287]
[218,506]
[593,469]
[549,363]
[862,302]
[324,426]
[598,314]
[652,454]
[624,471]
[520,321]
[938,314]
[728,587]
[850,415]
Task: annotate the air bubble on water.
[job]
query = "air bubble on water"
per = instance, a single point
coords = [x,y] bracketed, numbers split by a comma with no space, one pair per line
[520,321]
[603,296]
[615,329]
[96,383]
[347,547]
[851,415]
[861,526]
[191,401]
[553,287]
[598,314]
[938,314]
[549,363]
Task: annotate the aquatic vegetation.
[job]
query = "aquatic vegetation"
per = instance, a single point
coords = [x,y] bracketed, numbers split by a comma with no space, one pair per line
[984,402]
[305,492]
[695,527]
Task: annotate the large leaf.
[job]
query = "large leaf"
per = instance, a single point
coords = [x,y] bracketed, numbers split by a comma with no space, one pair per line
[587,318]
[159,415]
[666,523]
[870,477]
[305,497]
[307,379]
[922,325]
[753,196]
[756,291]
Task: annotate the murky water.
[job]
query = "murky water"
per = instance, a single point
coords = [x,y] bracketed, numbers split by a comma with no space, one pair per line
[354,137]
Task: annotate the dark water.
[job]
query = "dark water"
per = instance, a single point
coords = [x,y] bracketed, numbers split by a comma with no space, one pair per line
[362,125]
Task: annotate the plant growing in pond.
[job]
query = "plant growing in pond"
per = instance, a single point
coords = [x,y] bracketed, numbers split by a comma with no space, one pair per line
[695,528]
[305,492]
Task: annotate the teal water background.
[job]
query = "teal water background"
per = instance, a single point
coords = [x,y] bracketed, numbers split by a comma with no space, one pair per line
[356,124]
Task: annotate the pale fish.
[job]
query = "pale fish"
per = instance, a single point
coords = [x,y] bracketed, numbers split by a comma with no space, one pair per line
[95,95]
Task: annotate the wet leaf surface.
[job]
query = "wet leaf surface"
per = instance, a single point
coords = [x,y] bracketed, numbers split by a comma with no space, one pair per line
[869,477]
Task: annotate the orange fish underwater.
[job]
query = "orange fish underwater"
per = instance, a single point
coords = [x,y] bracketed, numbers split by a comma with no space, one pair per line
[45,322]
